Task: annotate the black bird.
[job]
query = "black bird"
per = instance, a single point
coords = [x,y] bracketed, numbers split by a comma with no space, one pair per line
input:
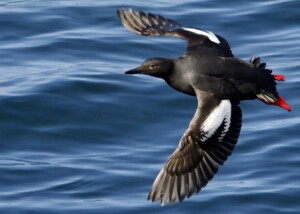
[209,71]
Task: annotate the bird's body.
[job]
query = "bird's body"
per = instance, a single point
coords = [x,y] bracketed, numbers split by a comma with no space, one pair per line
[209,71]
[226,77]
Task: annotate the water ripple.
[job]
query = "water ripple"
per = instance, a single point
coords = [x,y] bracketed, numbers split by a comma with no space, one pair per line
[79,136]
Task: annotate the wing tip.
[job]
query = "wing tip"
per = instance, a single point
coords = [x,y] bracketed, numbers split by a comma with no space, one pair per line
[147,24]
[131,20]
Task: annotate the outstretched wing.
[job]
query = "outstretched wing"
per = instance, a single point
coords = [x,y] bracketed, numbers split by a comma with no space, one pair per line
[148,24]
[209,140]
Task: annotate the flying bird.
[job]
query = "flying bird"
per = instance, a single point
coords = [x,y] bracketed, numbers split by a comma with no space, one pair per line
[209,71]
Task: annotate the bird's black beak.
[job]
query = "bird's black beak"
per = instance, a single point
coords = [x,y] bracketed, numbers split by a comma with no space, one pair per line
[134,71]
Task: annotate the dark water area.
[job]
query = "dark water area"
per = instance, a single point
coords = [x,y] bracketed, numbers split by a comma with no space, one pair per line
[79,136]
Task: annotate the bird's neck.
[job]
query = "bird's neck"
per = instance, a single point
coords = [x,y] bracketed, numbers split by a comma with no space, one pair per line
[180,82]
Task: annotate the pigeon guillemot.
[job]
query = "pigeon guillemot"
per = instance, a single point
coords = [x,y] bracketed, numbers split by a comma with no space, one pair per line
[209,71]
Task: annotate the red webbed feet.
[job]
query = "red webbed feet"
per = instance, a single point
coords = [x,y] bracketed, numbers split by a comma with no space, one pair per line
[278,77]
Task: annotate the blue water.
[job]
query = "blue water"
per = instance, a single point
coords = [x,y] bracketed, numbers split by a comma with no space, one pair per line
[79,136]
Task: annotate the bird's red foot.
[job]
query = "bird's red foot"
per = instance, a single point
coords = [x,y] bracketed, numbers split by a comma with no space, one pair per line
[278,77]
[281,103]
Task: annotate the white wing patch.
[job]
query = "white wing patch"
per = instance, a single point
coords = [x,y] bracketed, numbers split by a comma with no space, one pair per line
[212,37]
[221,113]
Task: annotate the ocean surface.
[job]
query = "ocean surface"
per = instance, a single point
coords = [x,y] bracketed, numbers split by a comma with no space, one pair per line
[79,136]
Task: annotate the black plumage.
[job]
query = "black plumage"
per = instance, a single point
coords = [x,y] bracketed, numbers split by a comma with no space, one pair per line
[209,71]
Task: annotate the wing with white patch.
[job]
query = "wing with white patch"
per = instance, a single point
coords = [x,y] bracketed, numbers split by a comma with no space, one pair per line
[148,24]
[209,140]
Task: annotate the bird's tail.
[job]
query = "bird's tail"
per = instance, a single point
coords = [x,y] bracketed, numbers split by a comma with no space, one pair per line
[267,97]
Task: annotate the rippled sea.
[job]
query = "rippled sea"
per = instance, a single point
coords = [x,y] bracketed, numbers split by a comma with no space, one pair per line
[79,136]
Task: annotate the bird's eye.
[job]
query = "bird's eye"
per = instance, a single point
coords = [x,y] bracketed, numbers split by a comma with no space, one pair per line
[152,66]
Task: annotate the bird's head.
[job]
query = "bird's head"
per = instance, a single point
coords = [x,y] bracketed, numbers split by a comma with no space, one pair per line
[157,67]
